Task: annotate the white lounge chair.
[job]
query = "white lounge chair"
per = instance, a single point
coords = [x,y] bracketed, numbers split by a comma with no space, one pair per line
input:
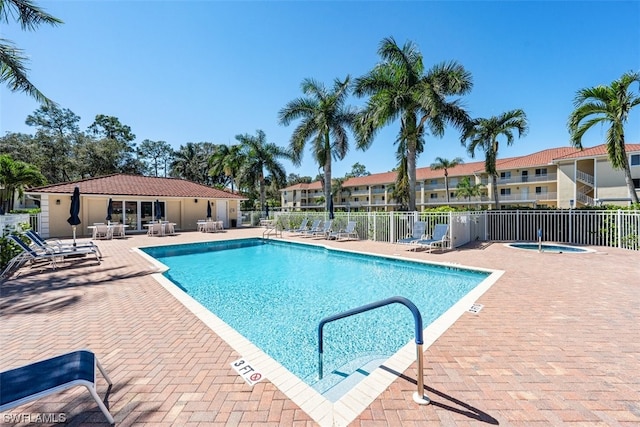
[419,228]
[347,233]
[439,237]
[39,379]
[58,246]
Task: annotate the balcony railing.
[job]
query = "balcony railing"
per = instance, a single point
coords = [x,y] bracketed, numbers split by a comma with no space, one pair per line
[528,197]
[527,178]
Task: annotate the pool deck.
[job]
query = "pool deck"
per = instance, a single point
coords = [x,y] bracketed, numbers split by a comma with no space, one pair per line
[556,342]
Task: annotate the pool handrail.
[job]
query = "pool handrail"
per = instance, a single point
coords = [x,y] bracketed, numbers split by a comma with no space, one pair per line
[419,396]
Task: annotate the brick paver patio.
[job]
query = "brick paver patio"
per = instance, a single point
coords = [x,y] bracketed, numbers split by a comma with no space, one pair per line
[557,342]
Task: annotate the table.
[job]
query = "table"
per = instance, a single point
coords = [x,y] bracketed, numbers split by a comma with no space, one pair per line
[107,231]
[160,228]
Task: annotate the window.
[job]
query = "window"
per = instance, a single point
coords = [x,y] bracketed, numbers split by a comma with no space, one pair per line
[355,199]
[343,200]
[433,196]
[505,191]
[541,171]
[452,195]
[433,182]
[636,183]
[355,188]
[367,198]
[635,160]
[505,175]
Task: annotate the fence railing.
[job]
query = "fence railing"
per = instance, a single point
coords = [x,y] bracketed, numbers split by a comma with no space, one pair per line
[593,227]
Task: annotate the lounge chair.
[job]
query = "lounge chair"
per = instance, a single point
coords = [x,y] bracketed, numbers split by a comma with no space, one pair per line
[315,227]
[325,230]
[302,228]
[58,246]
[50,254]
[347,233]
[39,379]
[439,237]
[419,228]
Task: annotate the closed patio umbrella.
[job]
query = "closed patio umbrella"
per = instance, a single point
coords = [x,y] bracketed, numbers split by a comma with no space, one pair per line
[109,210]
[208,209]
[331,207]
[158,208]
[266,210]
[74,212]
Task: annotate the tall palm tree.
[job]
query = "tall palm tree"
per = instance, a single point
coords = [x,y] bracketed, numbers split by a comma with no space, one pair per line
[262,157]
[445,164]
[607,105]
[484,133]
[227,160]
[12,60]
[14,177]
[324,121]
[399,88]
[188,163]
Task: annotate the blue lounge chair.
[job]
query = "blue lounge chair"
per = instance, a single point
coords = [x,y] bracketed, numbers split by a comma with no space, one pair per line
[302,228]
[439,237]
[39,379]
[419,228]
[325,230]
[315,227]
[347,233]
[58,246]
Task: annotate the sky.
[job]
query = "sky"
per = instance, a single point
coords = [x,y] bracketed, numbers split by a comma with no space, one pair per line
[196,71]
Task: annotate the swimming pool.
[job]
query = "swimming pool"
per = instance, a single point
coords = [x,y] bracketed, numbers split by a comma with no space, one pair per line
[548,247]
[303,284]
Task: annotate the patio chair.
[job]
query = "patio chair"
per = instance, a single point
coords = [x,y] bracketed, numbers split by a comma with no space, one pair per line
[347,233]
[302,228]
[315,227]
[117,230]
[50,254]
[419,228]
[325,230]
[439,237]
[39,379]
[102,231]
[155,229]
[57,245]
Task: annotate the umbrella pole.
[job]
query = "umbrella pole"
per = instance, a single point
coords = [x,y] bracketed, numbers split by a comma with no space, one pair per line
[74,236]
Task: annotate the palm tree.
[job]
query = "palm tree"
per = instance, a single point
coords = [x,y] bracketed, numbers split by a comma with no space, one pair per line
[227,160]
[484,133]
[608,105]
[260,157]
[12,60]
[14,177]
[444,164]
[399,88]
[324,120]
[188,163]
[466,189]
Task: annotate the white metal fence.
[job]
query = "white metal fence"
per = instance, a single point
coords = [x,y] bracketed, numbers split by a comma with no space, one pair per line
[594,227]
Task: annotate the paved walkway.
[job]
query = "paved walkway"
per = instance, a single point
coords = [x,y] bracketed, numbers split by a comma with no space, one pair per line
[557,342]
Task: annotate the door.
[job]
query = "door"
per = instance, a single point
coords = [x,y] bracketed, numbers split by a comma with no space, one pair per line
[221,212]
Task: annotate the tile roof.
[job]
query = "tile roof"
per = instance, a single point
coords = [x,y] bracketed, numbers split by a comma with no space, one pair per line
[598,150]
[539,158]
[136,185]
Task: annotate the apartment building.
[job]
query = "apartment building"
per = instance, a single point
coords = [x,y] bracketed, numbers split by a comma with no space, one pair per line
[561,177]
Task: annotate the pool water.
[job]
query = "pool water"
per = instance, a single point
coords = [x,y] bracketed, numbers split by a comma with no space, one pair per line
[276,293]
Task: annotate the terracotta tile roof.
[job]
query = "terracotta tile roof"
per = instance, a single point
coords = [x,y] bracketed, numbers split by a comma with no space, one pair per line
[316,185]
[135,185]
[598,150]
[540,158]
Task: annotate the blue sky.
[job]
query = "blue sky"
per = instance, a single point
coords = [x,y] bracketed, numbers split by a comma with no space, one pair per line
[192,71]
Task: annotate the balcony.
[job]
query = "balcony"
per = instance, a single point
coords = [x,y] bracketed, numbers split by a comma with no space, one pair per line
[532,197]
[527,179]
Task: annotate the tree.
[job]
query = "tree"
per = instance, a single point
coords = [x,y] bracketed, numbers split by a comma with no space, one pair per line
[262,157]
[607,105]
[324,121]
[445,164]
[12,60]
[227,160]
[158,153]
[56,133]
[119,138]
[191,162]
[357,169]
[399,88]
[14,177]
[466,189]
[484,133]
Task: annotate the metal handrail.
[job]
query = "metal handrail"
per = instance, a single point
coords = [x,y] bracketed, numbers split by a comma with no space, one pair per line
[419,396]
